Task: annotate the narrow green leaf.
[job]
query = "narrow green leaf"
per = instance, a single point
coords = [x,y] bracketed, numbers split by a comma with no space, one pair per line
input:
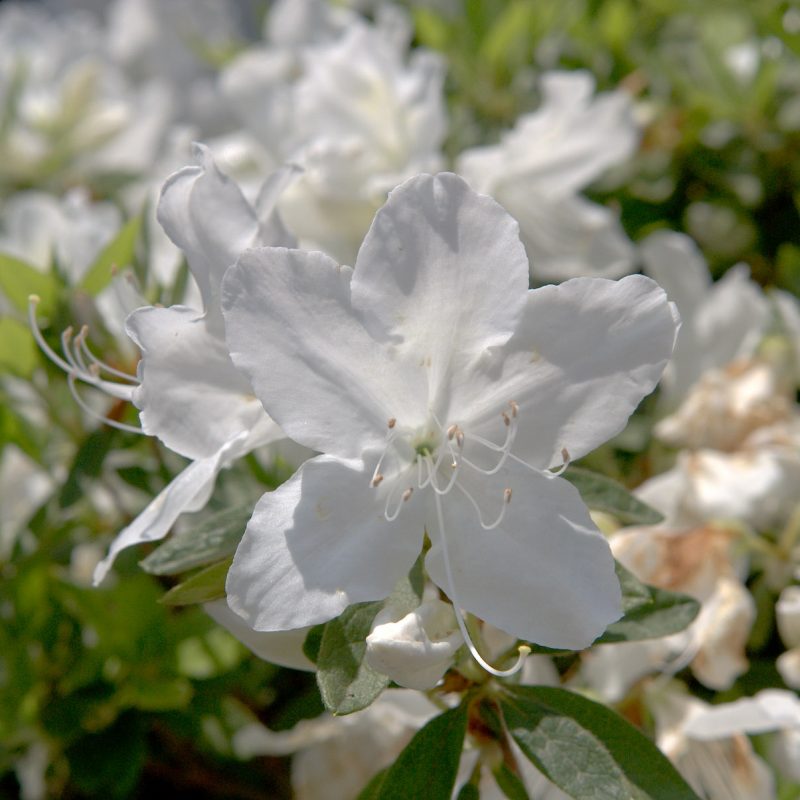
[202,587]
[346,682]
[648,612]
[88,463]
[18,281]
[469,791]
[604,494]
[429,764]
[588,750]
[373,789]
[117,254]
[510,785]
[214,538]
[18,352]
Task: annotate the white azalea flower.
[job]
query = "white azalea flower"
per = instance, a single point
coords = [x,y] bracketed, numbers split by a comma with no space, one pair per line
[188,392]
[539,167]
[441,392]
[415,650]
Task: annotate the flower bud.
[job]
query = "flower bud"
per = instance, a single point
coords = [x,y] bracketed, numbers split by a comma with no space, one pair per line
[416,650]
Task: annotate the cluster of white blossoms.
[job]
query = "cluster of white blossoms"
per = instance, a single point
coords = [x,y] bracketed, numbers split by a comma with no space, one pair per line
[346,294]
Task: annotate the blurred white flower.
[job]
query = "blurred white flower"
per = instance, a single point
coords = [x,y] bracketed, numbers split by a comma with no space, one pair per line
[541,165]
[725,768]
[720,322]
[787,615]
[338,756]
[741,428]
[354,112]
[24,486]
[455,390]
[70,114]
[770,710]
[40,228]
[702,562]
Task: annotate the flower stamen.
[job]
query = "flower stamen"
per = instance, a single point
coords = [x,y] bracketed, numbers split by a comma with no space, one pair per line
[74,365]
[487,526]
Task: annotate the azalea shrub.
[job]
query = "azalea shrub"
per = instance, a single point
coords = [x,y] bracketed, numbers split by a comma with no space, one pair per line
[400,400]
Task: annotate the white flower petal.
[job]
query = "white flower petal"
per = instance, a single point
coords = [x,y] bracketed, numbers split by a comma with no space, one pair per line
[186,492]
[291,329]
[545,574]
[768,710]
[318,544]
[191,396]
[561,147]
[284,648]
[205,214]
[569,237]
[441,274]
[675,262]
[585,355]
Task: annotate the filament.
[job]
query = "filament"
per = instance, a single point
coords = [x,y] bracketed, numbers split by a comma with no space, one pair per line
[501,516]
[524,650]
[104,365]
[89,410]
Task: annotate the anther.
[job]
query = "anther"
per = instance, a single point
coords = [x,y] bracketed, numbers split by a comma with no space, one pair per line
[391,423]
[565,463]
[452,431]
[376,481]
[507,494]
[506,418]
[407,494]
[514,406]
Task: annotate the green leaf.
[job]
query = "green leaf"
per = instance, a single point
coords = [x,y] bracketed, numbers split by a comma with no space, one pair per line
[469,791]
[648,612]
[18,353]
[88,463]
[107,763]
[429,764]
[604,494]
[202,587]
[313,642]
[214,538]
[117,254]
[18,281]
[346,682]
[586,749]
[510,785]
